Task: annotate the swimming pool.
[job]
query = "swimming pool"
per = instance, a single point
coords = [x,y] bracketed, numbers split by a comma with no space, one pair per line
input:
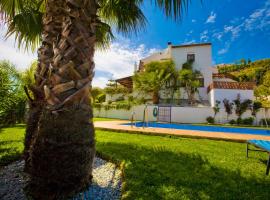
[236,130]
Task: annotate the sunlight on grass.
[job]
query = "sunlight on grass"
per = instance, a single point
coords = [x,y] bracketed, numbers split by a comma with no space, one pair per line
[11,143]
[96,119]
[158,167]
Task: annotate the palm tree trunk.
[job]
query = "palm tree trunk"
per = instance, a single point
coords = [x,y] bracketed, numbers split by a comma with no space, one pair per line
[155,97]
[51,28]
[63,151]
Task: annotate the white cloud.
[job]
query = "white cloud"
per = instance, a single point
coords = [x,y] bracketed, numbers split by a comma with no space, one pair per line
[218,35]
[193,20]
[211,18]
[99,81]
[225,49]
[118,60]
[189,41]
[259,19]
[204,36]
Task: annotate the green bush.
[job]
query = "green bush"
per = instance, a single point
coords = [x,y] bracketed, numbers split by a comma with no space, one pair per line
[210,120]
[232,122]
[248,121]
[239,121]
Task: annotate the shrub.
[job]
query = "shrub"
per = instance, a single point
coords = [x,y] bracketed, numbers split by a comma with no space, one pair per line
[248,121]
[262,122]
[239,120]
[210,120]
[232,122]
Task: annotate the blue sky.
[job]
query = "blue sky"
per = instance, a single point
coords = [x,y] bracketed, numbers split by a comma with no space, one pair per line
[236,28]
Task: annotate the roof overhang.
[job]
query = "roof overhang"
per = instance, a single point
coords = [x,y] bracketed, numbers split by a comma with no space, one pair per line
[231,85]
[126,82]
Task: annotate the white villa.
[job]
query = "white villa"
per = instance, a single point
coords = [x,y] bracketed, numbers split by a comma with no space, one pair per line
[214,86]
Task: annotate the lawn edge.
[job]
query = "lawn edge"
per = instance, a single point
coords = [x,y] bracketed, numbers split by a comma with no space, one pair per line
[170,135]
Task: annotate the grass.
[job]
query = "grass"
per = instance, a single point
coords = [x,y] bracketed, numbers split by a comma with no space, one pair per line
[158,167]
[11,144]
[178,168]
[96,119]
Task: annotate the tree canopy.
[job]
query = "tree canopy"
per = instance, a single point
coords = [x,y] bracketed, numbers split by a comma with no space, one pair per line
[12,97]
[154,77]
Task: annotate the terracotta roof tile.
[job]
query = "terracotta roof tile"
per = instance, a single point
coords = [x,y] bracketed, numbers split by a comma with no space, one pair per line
[231,85]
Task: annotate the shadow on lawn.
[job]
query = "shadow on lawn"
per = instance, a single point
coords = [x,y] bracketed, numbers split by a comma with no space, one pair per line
[8,152]
[156,173]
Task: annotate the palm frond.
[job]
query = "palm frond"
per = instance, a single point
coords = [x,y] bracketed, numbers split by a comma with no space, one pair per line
[27,28]
[24,21]
[125,15]
[104,36]
[172,8]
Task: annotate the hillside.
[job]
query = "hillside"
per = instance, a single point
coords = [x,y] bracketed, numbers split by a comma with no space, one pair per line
[257,71]
[248,71]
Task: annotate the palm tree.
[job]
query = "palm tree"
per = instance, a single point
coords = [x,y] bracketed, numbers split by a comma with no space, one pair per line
[63,145]
[154,77]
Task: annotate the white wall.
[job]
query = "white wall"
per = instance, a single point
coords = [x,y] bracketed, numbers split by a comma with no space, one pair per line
[203,62]
[178,114]
[230,94]
[203,59]
[126,114]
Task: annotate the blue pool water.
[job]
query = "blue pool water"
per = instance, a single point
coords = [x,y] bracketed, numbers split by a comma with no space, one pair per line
[253,131]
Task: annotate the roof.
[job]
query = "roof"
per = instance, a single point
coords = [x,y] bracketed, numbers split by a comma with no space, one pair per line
[126,81]
[192,45]
[231,85]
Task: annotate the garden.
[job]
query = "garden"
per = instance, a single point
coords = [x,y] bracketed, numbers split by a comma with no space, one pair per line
[155,167]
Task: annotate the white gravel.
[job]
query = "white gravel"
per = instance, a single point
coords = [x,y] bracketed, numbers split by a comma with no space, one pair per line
[106,182]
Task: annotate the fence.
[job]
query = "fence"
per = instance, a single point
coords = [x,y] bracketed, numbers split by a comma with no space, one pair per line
[178,114]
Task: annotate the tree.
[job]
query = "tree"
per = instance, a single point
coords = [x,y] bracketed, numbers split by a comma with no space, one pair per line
[228,107]
[241,106]
[255,108]
[216,108]
[153,78]
[189,79]
[262,92]
[97,95]
[12,97]
[59,113]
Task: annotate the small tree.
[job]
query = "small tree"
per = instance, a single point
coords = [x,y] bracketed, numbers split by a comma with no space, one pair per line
[189,79]
[12,97]
[154,77]
[241,107]
[255,107]
[97,95]
[262,93]
[228,107]
[216,108]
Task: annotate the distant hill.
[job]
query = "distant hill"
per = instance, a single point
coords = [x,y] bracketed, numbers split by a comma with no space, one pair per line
[248,71]
[257,71]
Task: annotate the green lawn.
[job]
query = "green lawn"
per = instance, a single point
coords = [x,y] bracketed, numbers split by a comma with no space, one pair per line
[158,167]
[11,143]
[95,119]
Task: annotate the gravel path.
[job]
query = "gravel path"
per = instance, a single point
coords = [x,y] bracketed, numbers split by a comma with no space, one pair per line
[106,182]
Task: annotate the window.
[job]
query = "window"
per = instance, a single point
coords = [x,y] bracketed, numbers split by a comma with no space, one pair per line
[191,57]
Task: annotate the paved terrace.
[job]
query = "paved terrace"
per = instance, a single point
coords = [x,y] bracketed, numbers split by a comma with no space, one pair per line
[116,126]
